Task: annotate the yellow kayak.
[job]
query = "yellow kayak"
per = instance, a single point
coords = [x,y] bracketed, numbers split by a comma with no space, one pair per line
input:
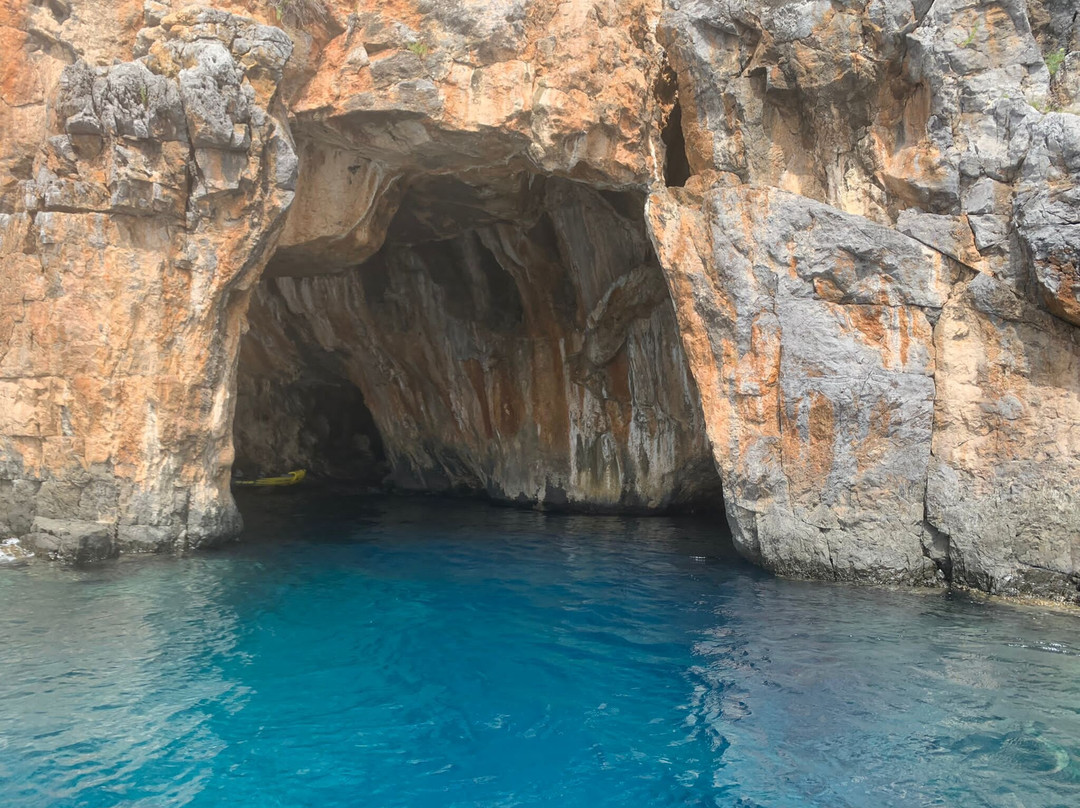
[292,478]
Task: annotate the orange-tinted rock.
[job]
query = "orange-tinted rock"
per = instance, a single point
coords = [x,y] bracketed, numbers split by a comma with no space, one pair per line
[1006,447]
[819,409]
[537,361]
[870,278]
[126,260]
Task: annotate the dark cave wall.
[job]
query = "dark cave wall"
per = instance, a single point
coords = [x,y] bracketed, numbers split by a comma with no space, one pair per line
[517,341]
[296,408]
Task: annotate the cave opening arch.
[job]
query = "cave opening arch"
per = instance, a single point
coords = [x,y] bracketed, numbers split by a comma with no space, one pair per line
[495,332]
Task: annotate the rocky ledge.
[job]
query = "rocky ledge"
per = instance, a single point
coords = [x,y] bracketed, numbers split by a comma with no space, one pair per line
[816,264]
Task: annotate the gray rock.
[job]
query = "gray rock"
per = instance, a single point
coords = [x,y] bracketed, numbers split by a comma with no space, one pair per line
[1056,24]
[1047,214]
[154,12]
[1004,483]
[132,102]
[826,388]
[265,46]
[986,195]
[18,505]
[79,542]
[285,164]
[990,232]
[1066,84]
[75,100]
[214,97]
[949,235]
[43,545]
[145,539]
[496,31]
[399,67]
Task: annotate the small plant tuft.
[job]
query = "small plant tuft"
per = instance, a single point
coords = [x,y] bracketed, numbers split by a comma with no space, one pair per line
[419,48]
[1054,61]
[300,12]
[144,96]
[1047,106]
[967,43]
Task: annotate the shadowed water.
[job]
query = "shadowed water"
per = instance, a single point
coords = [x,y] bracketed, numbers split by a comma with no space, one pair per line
[427,653]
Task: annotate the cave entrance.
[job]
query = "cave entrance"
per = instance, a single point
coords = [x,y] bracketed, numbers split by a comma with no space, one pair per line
[296,405]
[513,337]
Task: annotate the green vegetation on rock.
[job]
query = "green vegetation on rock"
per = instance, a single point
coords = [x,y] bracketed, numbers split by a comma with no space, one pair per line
[300,12]
[1054,61]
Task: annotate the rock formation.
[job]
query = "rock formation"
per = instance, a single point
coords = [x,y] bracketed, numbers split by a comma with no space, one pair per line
[130,239]
[536,359]
[823,257]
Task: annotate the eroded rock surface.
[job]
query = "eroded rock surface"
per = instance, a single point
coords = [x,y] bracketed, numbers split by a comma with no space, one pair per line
[128,246]
[536,359]
[861,312]
[809,331]
[888,378]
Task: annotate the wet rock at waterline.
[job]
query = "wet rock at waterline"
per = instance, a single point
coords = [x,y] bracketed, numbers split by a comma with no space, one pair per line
[437,245]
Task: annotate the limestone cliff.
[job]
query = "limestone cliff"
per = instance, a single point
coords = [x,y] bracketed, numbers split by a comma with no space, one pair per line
[875,272]
[820,255]
[130,238]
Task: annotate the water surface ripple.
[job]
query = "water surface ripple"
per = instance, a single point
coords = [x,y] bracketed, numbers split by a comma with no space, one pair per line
[431,653]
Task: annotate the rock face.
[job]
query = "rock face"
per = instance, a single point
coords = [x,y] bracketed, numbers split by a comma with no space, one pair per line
[584,254]
[1006,446]
[128,248]
[810,333]
[538,360]
[867,266]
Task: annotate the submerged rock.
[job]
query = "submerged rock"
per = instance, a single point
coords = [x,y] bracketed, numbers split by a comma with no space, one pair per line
[12,552]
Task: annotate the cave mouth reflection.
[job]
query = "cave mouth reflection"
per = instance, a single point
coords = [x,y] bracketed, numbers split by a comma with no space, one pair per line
[512,336]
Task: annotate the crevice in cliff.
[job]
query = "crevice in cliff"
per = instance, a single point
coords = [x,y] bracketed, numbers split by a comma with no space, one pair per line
[939,550]
[676,163]
[676,166]
[1055,25]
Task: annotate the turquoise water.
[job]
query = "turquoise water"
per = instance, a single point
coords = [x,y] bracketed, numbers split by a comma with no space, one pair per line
[426,653]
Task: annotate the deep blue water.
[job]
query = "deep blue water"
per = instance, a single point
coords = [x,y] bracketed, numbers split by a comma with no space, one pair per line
[430,653]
